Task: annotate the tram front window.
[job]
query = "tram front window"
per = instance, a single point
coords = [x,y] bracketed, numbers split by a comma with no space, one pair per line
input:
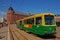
[49,19]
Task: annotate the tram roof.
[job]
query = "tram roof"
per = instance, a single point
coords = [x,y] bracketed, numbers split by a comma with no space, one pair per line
[46,13]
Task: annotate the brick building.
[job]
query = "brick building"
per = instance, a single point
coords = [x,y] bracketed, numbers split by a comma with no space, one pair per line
[12,17]
[57,20]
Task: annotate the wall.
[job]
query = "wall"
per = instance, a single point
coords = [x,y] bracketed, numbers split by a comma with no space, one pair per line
[13,17]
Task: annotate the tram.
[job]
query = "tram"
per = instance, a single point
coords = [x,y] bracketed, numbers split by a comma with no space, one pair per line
[40,24]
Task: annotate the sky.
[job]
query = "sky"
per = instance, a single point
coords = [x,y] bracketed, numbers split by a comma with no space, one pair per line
[33,6]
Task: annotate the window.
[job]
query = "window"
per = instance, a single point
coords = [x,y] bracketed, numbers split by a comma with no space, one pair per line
[38,20]
[25,21]
[49,20]
[29,21]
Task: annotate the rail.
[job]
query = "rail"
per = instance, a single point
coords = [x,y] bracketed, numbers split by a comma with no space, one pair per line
[21,35]
[15,34]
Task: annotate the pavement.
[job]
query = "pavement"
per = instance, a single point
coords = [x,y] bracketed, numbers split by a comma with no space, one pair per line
[4,33]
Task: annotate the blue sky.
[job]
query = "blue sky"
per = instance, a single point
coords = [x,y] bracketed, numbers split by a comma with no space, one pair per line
[33,6]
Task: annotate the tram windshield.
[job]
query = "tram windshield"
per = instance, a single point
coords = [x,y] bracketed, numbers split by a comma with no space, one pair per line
[49,20]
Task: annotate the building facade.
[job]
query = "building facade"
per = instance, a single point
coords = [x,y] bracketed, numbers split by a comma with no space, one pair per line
[12,17]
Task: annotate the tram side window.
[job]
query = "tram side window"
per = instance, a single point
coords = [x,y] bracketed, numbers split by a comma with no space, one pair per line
[38,20]
[29,21]
[25,22]
[20,22]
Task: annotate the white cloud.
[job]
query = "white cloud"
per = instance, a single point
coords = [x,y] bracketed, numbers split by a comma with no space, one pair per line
[3,14]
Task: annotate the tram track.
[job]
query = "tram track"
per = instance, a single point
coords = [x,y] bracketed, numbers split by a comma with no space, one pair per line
[21,35]
[17,32]
[18,35]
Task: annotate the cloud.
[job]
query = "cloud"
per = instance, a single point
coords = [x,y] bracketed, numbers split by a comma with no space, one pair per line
[3,14]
